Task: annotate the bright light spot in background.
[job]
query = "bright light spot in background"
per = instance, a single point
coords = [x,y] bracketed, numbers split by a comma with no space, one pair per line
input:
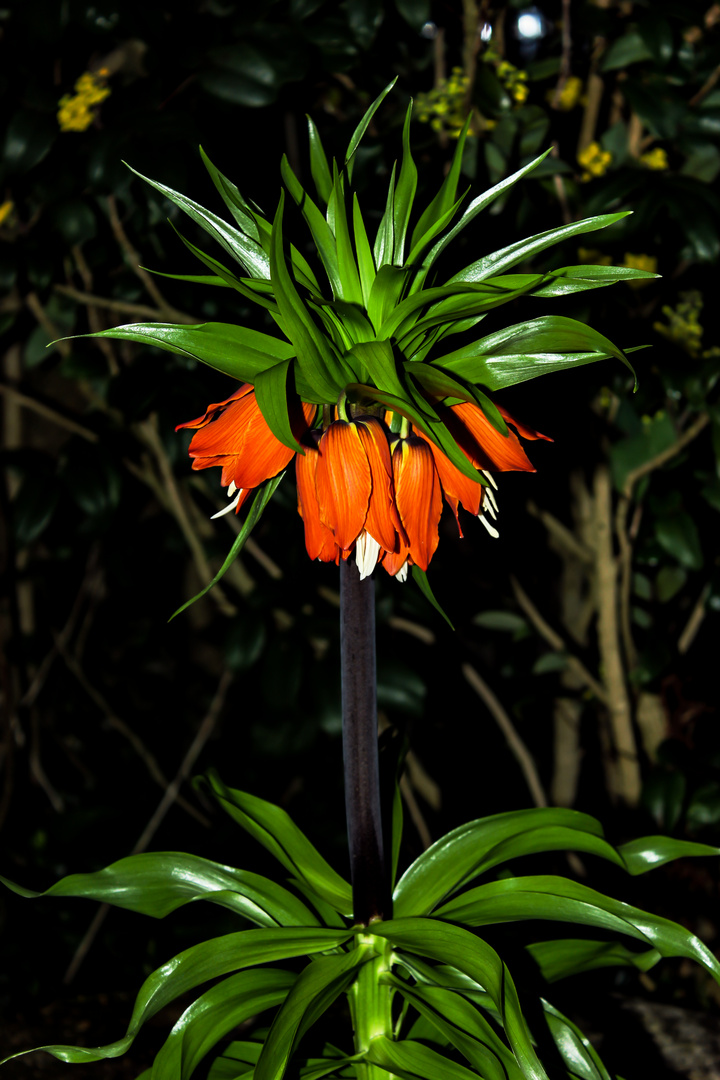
[486,32]
[530,25]
[429,31]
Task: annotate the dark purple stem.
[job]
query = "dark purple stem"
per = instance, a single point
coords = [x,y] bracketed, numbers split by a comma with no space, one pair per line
[360,744]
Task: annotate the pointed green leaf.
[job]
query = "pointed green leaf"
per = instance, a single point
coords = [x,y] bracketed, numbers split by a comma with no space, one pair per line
[572,279]
[261,498]
[319,228]
[522,250]
[580,1057]
[366,263]
[462,854]
[271,392]
[443,386]
[525,350]
[426,227]
[474,957]
[241,247]
[313,348]
[647,852]
[318,163]
[559,899]
[276,831]
[227,276]
[362,128]
[232,198]
[156,883]
[478,204]
[314,991]
[377,358]
[385,238]
[570,956]
[235,350]
[405,194]
[413,1060]
[349,277]
[385,293]
[420,579]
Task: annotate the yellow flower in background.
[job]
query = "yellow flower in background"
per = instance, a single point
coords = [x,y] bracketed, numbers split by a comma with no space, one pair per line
[594,161]
[6,210]
[593,256]
[513,79]
[444,107]
[640,262]
[569,95]
[76,110]
[655,159]
[683,325]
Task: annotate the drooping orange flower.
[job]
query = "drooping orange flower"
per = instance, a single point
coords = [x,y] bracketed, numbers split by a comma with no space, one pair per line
[235,435]
[362,488]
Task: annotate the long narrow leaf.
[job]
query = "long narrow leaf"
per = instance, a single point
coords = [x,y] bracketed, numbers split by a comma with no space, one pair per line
[271,392]
[413,1060]
[362,128]
[157,883]
[366,263]
[262,497]
[571,956]
[276,831]
[318,163]
[318,226]
[232,198]
[349,276]
[405,193]
[227,276]
[426,228]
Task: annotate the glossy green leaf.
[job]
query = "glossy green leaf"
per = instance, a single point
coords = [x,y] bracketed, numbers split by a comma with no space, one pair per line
[271,392]
[235,350]
[440,384]
[429,225]
[421,580]
[236,1060]
[647,852]
[362,128]
[522,250]
[366,262]
[573,279]
[415,1061]
[276,831]
[214,1015]
[377,358]
[474,957]
[384,293]
[318,226]
[525,350]
[242,248]
[232,198]
[262,497]
[384,245]
[462,854]
[405,193]
[314,991]
[559,899]
[311,345]
[478,204]
[318,163]
[156,883]
[580,1057]
[349,276]
[465,1027]
[228,278]
[571,956]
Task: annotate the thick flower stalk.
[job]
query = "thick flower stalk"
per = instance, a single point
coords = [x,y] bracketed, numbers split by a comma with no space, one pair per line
[361,383]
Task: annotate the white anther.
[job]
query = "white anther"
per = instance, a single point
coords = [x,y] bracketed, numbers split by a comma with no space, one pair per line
[402,572]
[367,550]
[490,528]
[231,506]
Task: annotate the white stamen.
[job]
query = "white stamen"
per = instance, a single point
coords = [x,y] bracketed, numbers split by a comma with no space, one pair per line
[367,550]
[490,478]
[231,506]
[490,497]
[232,489]
[490,528]
[487,505]
[402,572]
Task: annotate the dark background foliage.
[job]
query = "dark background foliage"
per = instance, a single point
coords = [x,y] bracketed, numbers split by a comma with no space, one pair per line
[106,532]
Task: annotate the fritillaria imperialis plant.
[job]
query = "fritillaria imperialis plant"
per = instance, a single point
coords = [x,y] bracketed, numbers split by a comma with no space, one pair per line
[382,420]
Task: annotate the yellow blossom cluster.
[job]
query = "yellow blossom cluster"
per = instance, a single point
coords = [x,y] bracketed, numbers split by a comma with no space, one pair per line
[655,159]
[594,161]
[76,110]
[569,95]
[445,107]
[6,210]
[514,80]
[683,325]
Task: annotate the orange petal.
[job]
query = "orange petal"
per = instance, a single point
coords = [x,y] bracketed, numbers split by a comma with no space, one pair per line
[484,445]
[319,540]
[382,518]
[212,409]
[343,482]
[522,429]
[458,489]
[418,497]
